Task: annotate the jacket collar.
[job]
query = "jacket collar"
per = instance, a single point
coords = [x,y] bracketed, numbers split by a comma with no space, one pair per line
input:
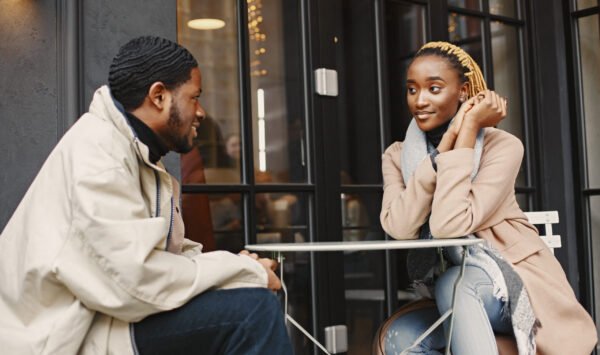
[106,107]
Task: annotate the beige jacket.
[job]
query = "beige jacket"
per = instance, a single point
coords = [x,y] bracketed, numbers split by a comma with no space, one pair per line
[487,207]
[85,252]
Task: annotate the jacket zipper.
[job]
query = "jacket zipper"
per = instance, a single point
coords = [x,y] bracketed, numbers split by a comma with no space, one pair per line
[157,177]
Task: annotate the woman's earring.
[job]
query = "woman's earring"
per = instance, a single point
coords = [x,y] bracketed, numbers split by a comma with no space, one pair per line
[461,99]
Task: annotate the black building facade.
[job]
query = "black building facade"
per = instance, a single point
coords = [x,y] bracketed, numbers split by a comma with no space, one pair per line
[285,160]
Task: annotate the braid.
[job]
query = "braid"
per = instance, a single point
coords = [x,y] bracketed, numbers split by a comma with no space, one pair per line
[144,61]
[468,69]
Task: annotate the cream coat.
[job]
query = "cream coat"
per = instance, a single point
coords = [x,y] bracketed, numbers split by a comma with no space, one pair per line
[487,207]
[84,253]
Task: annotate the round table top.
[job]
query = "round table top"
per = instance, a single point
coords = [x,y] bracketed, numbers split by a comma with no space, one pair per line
[363,245]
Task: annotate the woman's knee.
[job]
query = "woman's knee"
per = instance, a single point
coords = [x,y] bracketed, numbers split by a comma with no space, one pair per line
[473,278]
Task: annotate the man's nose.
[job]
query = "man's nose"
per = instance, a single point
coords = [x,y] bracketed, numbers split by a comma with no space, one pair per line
[200,113]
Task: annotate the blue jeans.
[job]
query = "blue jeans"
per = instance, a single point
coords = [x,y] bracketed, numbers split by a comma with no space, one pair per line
[477,315]
[235,321]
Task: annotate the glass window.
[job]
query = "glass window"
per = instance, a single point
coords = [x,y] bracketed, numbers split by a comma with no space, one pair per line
[406,33]
[468,4]
[278,126]
[589,56]
[215,220]
[209,30]
[467,33]
[503,7]
[594,213]
[281,217]
[584,4]
[358,123]
[505,58]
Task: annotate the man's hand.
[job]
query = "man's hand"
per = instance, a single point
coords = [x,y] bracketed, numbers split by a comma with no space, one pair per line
[270,266]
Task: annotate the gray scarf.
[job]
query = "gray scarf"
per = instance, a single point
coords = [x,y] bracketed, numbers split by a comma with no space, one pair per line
[424,264]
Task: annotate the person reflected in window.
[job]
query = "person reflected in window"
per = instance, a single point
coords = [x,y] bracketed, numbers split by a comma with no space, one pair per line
[454,176]
[94,259]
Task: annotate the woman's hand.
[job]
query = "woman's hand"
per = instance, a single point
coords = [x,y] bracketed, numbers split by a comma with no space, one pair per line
[489,109]
[450,136]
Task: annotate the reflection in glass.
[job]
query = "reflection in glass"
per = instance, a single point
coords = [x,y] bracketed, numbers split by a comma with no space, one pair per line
[469,4]
[215,220]
[467,33]
[278,128]
[594,210]
[505,57]
[282,218]
[589,56]
[216,53]
[584,4]
[406,33]
[358,123]
[503,7]
[363,271]
[360,216]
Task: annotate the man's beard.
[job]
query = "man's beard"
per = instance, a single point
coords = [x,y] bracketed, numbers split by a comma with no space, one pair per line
[179,141]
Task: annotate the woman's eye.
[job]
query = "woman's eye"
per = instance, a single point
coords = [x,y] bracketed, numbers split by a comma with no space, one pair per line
[435,89]
[412,91]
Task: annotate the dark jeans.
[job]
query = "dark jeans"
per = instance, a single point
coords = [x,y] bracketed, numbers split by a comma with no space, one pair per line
[236,321]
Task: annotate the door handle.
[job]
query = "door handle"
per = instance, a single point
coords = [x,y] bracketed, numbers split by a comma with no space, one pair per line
[326,82]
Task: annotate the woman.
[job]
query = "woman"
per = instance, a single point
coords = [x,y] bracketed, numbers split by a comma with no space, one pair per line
[454,176]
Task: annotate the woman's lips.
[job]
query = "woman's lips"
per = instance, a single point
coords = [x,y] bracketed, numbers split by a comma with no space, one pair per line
[423,115]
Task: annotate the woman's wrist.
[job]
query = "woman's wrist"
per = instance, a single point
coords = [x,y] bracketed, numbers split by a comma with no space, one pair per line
[447,142]
[468,133]
[470,123]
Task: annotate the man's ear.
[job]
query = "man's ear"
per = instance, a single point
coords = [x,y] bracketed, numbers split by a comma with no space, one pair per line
[158,95]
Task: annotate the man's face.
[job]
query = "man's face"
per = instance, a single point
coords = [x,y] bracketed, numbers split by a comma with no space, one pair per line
[185,114]
[433,89]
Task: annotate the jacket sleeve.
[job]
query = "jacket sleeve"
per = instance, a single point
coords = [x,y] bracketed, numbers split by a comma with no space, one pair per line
[461,206]
[113,259]
[405,207]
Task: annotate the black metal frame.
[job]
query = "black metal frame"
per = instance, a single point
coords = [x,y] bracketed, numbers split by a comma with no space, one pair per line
[583,190]
[323,186]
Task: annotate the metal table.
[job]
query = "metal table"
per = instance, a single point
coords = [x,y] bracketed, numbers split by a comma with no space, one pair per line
[279,248]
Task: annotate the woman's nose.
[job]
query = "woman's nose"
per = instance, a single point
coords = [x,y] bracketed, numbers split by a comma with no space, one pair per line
[421,100]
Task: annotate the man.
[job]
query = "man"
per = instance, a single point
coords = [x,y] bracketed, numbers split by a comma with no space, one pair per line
[93,261]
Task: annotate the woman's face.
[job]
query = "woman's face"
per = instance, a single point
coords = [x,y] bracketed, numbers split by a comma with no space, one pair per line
[433,91]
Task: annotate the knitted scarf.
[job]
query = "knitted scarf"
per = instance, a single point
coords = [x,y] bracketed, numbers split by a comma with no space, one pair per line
[425,264]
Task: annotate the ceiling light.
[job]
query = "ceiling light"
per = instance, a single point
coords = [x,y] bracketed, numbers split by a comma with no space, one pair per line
[206,24]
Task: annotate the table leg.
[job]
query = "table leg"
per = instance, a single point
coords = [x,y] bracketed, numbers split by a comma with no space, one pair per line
[460,276]
[289,318]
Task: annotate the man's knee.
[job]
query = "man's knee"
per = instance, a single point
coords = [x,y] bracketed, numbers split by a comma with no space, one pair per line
[263,305]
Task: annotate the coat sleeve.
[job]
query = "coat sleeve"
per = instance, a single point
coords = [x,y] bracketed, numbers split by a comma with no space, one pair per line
[113,259]
[461,206]
[405,207]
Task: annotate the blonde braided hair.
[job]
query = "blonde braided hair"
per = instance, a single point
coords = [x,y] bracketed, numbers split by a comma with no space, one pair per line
[470,70]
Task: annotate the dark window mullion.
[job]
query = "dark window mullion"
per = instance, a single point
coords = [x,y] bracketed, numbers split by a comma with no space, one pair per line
[481,14]
[249,197]
[587,12]
[591,192]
